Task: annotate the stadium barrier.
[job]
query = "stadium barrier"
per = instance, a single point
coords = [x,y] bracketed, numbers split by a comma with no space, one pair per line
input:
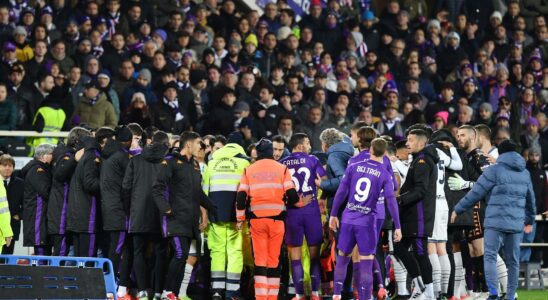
[52,277]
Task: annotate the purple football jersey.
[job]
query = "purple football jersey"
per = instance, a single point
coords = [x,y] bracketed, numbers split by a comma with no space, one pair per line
[360,189]
[303,168]
[365,155]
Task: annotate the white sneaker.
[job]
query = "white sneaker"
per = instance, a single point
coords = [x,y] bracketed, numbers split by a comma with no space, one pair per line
[417,294]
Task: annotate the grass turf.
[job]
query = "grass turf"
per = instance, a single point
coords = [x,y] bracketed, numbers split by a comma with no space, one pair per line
[532,295]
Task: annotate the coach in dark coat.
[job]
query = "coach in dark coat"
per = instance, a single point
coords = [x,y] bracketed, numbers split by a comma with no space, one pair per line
[37,176]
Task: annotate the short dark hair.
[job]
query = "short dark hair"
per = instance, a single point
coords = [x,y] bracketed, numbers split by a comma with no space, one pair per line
[75,135]
[378,147]
[419,132]
[278,139]
[400,144]
[420,126]
[221,139]
[297,139]
[366,135]
[483,130]
[160,137]
[188,136]
[104,133]
[358,125]
[136,129]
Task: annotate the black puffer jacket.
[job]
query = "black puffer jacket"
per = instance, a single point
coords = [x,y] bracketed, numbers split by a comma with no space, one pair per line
[84,191]
[137,189]
[115,161]
[417,202]
[182,180]
[37,185]
[63,168]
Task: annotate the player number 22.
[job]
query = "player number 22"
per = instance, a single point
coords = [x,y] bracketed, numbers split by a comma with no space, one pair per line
[303,171]
[362,193]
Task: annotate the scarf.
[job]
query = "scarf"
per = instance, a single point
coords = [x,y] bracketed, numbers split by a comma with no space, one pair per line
[94,100]
[175,111]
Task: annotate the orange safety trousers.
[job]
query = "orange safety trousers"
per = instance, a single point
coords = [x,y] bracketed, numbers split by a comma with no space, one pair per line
[267,237]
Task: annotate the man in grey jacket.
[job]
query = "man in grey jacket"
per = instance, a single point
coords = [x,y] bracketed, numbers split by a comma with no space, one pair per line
[508,191]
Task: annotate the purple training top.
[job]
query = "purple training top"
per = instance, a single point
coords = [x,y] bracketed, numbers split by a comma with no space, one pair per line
[303,168]
[360,189]
[365,155]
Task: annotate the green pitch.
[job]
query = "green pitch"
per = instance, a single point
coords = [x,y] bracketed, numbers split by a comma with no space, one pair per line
[532,295]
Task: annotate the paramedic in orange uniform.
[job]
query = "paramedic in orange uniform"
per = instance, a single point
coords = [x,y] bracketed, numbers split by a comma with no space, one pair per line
[265,189]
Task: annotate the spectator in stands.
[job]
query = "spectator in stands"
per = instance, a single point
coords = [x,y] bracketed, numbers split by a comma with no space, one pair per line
[8,59]
[105,84]
[338,119]
[391,124]
[141,84]
[137,112]
[8,110]
[40,90]
[94,110]
[124,77]
[313,127]
[168,114]
[465,115]
[222,118]
[59,55]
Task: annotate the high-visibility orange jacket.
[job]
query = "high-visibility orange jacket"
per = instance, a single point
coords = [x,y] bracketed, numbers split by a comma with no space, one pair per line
[265,183]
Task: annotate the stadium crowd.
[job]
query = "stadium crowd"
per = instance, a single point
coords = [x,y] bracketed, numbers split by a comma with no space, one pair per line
[238,155]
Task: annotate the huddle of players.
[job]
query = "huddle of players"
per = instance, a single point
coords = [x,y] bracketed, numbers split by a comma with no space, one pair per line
[98,179]
[425,183]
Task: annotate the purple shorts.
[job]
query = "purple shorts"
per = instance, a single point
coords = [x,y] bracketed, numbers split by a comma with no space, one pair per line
[364,236]
[298,225]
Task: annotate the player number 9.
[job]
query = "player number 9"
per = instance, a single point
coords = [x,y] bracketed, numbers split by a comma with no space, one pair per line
[362,193]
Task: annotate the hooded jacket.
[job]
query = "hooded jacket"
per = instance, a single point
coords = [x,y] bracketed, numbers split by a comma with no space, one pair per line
[221,179]
[37,185]
[115,161]
[84,190]
[417,202]
[508,192]
[63,168]
[337,160]
[139,178]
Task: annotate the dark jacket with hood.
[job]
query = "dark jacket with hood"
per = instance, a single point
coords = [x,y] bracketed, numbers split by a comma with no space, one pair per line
[182,179]
[84,191]
[508,191]
[115,160]
[417,202]
[64,164]
[139,178]
[37,185]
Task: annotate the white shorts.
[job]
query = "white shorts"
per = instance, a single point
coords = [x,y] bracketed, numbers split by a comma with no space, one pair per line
[441,219]
[193,250]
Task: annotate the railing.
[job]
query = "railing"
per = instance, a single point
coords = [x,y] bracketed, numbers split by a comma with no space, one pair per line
[25,133]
